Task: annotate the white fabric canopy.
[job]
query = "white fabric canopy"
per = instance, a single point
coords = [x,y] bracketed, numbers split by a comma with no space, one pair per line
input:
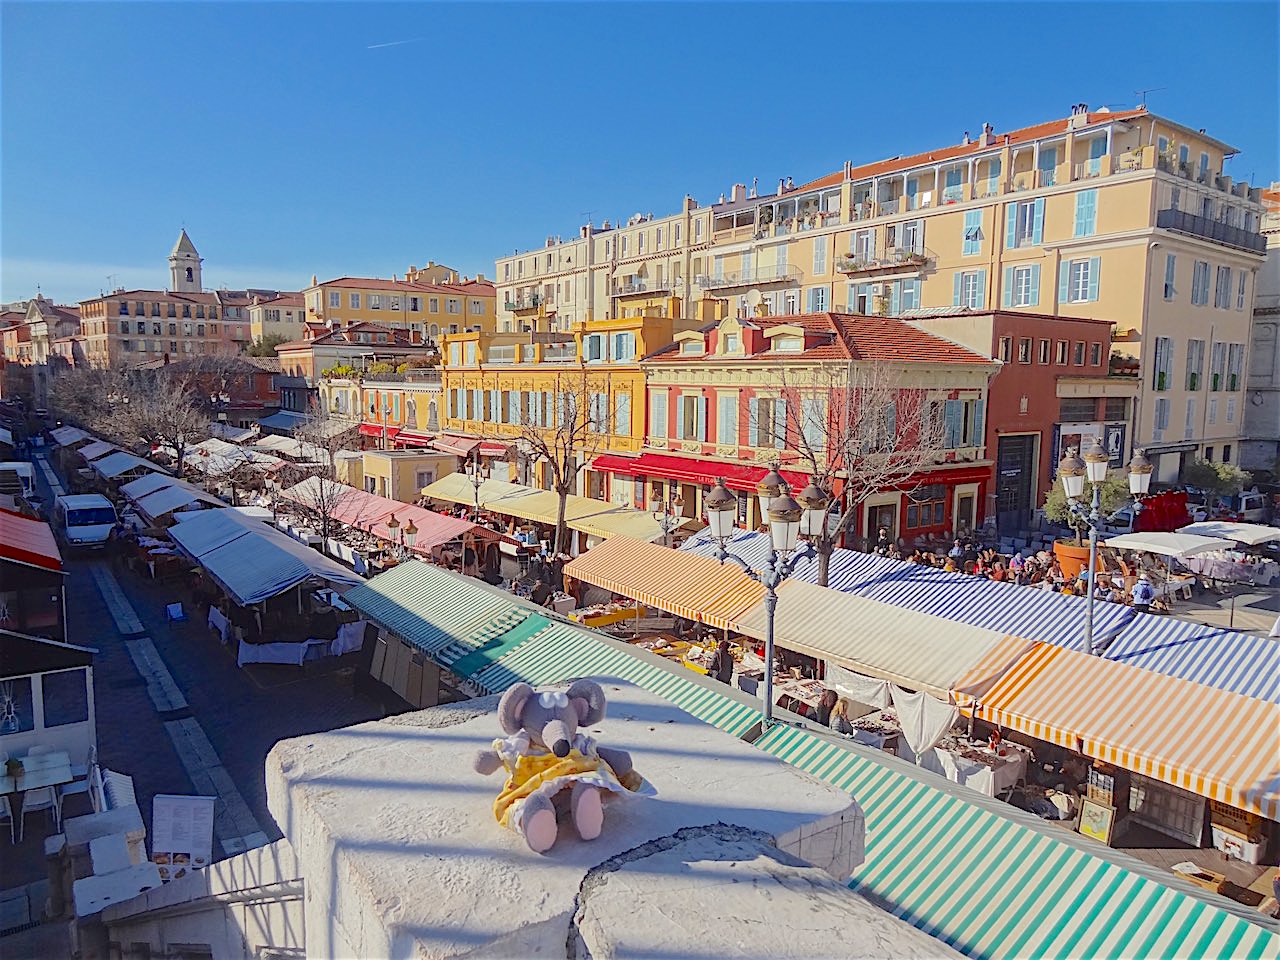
[1167,544]
[1250,534]
[924,719]
[856,687]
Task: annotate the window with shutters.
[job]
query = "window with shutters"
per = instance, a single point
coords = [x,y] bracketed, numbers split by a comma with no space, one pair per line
[1222,289]
[972,233]
[1189,427]
[1045,349]
[1079,280]
[969,289]
[1170,274]
[691,420]
[1022,286]
[1195,364]
[1240,291]
[1235,366]
[1086,213]
[624,346]
[819,256]
[1161,422]
[469,353]
[1211,413]
[768,427]
[813,422]
[594,348]
[658,414]
[1217,366]
[1231,418]
[817,302]
[727,418]
[622,414]
[1200,283]
[1024,349]
[1025,224]
[1162,375]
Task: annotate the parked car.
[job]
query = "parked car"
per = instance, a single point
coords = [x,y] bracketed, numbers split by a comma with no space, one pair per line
[85,520]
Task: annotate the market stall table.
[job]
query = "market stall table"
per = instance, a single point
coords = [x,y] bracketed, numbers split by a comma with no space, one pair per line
[606,614]
[880,730]
[976,766]
[291,653]
[219,623]
[1230,566]
[42,770]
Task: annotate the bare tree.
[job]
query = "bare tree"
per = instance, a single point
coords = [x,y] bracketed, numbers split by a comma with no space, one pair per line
[320,496]
[159,411]
[859,428]
[563,429]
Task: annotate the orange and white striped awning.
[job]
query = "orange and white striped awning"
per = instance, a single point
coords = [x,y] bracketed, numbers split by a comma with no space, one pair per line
[1215,743]
[687,585]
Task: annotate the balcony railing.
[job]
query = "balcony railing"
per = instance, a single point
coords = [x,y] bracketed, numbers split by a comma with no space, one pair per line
[530,301]
[749,278]
[643,285]
[559,352]
[893,259]
[1183,222]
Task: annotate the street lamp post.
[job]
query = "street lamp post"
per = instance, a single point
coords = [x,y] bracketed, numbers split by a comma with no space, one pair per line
[1093,467]
[786,517]
[478,474]
[667,515]
[386,412]
[393,527]
[271,485]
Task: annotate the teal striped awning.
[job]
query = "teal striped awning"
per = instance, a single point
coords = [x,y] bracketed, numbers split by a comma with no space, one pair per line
[993,888]
[562,652]
[436,610]
[494,649]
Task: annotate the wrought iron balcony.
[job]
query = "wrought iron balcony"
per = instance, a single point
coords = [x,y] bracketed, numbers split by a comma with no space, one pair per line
[750,278]
[1182,222]
[530,301]
[891,260]
[641,285]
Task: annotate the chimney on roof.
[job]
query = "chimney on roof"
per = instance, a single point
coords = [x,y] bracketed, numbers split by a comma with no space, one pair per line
[1079,116]
[430,264]
[314,280]
[987,138]
[479,278]
[848,169]
[739,192]
[964,142]
[782,185]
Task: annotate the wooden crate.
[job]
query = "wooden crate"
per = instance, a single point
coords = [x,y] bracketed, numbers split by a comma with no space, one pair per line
[1242,822]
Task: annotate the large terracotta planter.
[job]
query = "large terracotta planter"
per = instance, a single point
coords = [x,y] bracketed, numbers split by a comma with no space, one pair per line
[1073,558]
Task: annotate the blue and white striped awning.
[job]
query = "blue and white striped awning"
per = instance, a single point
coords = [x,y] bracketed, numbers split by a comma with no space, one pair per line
[992,888]
[1214,656]
[562,652]
[1025,612]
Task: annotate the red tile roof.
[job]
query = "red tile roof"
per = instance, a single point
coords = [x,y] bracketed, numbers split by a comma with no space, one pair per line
[1014,137]
[849,337]
[475,288]
[159,295]
[287,300]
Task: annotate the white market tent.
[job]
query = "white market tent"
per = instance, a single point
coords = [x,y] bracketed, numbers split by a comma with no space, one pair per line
[65,436]
[1250,534]
[152,482]
[174,497]
[120,463]
[1167,544]
[96,449]
[251,560]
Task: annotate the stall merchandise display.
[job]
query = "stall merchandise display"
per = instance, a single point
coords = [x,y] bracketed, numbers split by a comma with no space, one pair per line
[604,614]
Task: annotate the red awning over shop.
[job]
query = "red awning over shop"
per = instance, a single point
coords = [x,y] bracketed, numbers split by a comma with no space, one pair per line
[414,439]
[376,430]
[461,446]
[29,542]
[737,476]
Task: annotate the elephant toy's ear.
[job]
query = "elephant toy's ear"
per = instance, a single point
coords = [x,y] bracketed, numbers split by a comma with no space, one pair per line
[511,707]
[587,698]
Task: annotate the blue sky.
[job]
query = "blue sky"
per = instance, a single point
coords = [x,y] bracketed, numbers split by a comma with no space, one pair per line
[301,138]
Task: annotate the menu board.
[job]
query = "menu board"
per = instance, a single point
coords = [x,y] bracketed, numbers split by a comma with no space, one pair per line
[181,834]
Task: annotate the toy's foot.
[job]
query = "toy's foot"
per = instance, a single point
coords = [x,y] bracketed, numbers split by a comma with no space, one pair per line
[540,830]
[588,814]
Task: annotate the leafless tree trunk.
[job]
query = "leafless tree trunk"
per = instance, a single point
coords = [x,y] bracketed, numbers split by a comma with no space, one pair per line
[319,497]
[859,428]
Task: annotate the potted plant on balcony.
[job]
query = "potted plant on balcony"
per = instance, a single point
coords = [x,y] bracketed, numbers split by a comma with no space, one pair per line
[1073,553]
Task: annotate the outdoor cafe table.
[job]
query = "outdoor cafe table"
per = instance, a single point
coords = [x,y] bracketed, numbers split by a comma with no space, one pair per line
[42,770]
[994,780]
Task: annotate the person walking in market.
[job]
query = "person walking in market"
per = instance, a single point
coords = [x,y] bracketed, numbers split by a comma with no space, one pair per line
[1143,595]
[722,663]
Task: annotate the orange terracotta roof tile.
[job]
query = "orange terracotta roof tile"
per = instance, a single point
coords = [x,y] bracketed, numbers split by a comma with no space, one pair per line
[475,288]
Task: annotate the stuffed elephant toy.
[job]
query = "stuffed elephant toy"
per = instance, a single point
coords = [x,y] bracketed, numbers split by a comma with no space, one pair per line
[545,758]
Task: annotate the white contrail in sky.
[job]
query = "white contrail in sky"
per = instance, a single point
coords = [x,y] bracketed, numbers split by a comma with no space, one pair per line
[393,43]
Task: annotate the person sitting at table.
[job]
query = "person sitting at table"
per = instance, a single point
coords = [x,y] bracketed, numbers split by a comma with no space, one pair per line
[541,593]
[839,719]
[950,565]
[721,663]
[956,551]
[1143,594]
[828,702]
[883,542]
[998,573]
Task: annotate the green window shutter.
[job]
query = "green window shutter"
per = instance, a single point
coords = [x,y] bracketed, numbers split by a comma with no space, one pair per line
[1008,286]
[1095,267]
[1035,285]
[955,288]
[1064,282]
[1011,226]
[1037,223]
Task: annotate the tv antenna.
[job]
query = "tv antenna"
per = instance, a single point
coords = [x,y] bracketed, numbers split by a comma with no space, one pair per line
[586,215]
[1142,95]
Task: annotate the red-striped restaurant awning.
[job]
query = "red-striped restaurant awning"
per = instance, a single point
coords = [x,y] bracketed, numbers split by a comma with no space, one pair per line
[461,446]
[376,430]
[737,476]
[413,438]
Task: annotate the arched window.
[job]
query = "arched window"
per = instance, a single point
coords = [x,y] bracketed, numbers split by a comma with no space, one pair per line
[190,275]
[340,402]
[435,331]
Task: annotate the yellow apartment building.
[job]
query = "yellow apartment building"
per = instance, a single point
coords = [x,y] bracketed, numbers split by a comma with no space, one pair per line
[424,310]
[399,411]
[606,271]
[1122,216]
[496,385]
[283,316]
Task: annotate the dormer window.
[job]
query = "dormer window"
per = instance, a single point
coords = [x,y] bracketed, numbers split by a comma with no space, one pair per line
[788,345]
[729,343]
[691,348]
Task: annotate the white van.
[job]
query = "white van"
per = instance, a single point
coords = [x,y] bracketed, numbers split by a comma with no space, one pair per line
[85,520]
[18,478]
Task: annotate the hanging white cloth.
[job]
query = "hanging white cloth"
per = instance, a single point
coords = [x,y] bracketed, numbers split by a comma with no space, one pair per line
[854,686]
[924,719]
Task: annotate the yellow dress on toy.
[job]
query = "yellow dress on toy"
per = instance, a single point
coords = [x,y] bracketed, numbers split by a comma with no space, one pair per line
[535,771]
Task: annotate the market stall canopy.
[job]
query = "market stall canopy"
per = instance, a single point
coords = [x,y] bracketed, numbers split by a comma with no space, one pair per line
[1250,534]
[369,512]
[29,542]
[96,449]
[6,436]
[234,434]
[911,649]
[118,464]
[597,518]
[1003,607]
[689,586]
[167,499]
[461,446]
[152,482]
[1210,742]
[65,436]
[1167,544]
[1214,656]
[251,560]
[289,447]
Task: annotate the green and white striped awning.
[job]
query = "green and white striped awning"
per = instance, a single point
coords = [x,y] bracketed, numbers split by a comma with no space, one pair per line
[562,652]
[436,610]
[993,888]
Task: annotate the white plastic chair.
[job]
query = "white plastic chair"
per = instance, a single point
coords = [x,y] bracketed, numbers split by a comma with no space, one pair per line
[81,773]
[40,798]
[6,813]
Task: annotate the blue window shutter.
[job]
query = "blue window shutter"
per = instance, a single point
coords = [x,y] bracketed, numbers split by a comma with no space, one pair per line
[895,298]
[780,423]
[982,289]
[1079,229]
[753,427]
[978,411]
[955,289]
[1011,226]
[891,422]
[1037,225]
[1095,266]
[952,411]
[1008,286]
[1064,282]
[700,428]
[1035,285]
